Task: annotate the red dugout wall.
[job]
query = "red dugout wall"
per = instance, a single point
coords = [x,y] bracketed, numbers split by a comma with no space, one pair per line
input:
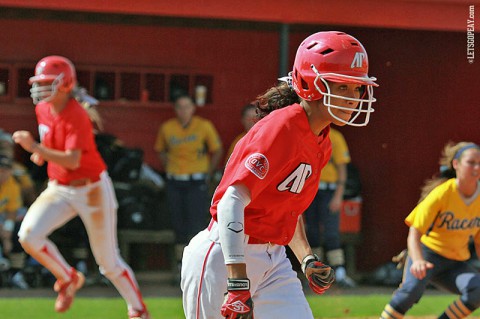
[427,96]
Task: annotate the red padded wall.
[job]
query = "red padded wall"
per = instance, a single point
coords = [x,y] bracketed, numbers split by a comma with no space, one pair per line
[427,96]
[429,15]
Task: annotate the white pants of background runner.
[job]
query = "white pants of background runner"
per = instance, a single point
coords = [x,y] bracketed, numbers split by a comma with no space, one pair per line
[97,207]
[276,291]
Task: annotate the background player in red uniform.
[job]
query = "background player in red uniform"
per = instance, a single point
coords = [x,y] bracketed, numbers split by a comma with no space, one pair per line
[78,185]
[270,179]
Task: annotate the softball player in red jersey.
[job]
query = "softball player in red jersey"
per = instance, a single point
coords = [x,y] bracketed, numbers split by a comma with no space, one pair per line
[237,267]
[78,184]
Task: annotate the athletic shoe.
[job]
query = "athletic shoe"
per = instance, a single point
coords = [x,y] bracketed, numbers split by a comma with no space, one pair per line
[134,314]
[66,291]
[346,282]
[4,263]
[18,281]
[342,280]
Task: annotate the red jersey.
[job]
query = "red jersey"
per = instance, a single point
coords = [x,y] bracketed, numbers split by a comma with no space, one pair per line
[279,160]
[71,129]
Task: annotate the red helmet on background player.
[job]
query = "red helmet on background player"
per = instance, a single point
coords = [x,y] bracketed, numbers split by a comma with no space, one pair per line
[52,73]
[336,57]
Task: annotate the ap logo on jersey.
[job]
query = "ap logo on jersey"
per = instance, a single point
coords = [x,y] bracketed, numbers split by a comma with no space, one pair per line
[358,60]
[257,163]
[296,180]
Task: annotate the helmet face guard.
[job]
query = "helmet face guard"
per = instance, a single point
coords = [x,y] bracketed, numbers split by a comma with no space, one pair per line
[364,106]
[52,74]
[45,93]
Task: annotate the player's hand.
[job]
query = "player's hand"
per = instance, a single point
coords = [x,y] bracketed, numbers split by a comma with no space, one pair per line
[320,276]
[37,159]
[419,268]
[400,259]
[335,204]
[238,302]
[25,139]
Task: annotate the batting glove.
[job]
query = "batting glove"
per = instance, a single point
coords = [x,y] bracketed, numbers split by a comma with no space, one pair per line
[238,301]
[320,276]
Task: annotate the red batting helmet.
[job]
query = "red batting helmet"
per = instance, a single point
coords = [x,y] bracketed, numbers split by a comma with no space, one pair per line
[336,57]
[55,69]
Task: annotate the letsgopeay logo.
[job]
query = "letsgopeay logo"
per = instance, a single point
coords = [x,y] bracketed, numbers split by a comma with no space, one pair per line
[257,163]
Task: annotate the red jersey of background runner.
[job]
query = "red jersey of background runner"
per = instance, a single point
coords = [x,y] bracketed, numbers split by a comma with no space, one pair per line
[279,160]
[69,130]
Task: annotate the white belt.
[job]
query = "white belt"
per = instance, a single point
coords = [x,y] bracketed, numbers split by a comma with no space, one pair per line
[323,186]
[187,177]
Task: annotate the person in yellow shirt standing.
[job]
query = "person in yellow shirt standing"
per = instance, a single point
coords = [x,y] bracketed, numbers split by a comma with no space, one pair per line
[323,215]
[190,150]
[21,178]
[10,203]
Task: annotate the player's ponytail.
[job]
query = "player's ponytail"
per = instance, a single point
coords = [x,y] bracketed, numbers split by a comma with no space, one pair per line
[275,98]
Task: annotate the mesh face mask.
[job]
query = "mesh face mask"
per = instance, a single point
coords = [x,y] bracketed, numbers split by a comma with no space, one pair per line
[45,92]
[364,106]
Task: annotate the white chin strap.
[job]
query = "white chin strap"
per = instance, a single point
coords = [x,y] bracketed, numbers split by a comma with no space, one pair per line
[364,107]
[45,92]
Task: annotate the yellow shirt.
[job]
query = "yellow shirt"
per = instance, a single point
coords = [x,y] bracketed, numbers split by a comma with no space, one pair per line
[187,148]
[340,155]
[10,196]
[446,222]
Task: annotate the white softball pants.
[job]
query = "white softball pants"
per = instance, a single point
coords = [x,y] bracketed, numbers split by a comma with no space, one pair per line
[96,205]
[276,291]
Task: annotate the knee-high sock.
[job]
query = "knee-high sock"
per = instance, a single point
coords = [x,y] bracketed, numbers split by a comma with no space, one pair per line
[456,310]
[390,313]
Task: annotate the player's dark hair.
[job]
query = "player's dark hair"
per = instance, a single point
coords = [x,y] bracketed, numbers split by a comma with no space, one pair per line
[275,98]
[447,171]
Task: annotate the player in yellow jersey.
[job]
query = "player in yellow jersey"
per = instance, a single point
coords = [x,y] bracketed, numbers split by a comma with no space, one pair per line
[10,203]
[190,150]
[19,177]
[446,217]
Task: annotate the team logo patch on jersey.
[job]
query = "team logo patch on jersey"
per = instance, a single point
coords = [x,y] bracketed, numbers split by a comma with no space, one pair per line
[257,163]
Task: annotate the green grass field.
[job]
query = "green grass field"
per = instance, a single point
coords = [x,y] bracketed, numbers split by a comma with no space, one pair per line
[351,306]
